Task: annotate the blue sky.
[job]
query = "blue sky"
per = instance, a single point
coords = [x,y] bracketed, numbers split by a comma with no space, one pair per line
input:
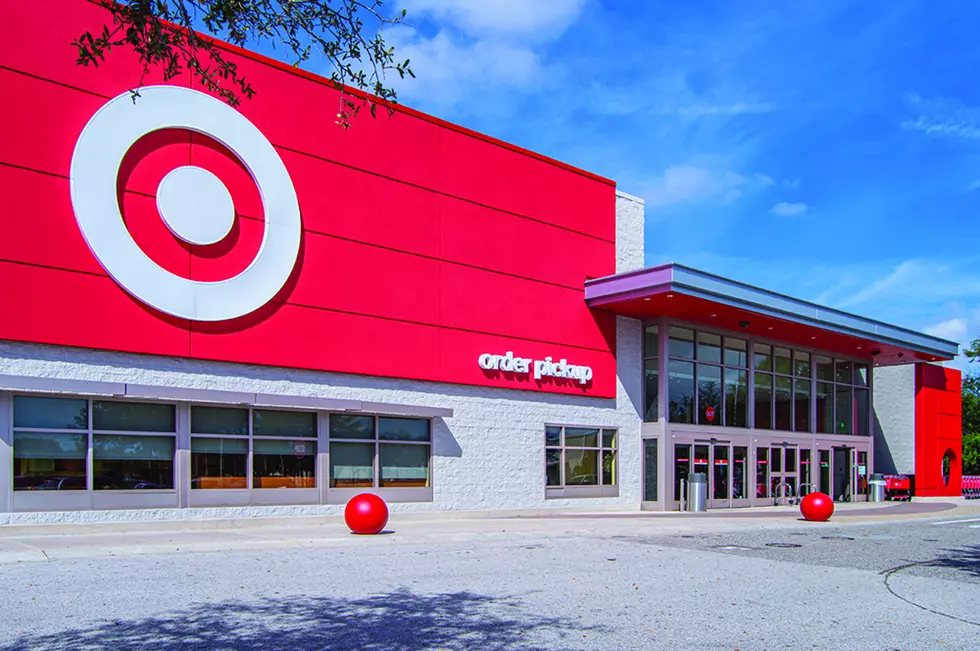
[829,150]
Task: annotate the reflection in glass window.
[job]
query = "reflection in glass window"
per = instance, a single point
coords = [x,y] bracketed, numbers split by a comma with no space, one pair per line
[651,391]
[801,363]
[861,377]
[351,465]
[133,416]
[736,352]
[709,348]
[861,411]
[50,413]
[845,417]
[49,461]
[219,463]
[347,426]
[581,467]
[762,354]
[680,391]
[219,420]
[587,458]
[736,397]
[783,400]
[709,395]
[266,422]
[681,342]
[403,429]
[825,368]
[651,341]
[801,406]
[825,408]
[783,363]
[404,466]
[283,463]
[843,372]
[124,462]
[763,400]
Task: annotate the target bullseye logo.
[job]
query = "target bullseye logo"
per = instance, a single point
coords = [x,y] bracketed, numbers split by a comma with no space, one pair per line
[193,203]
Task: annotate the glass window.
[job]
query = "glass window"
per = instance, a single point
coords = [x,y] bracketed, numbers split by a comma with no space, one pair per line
[552,436]
[588,457]
[845,417]
[133,416]
[581,467]
[680,391]
[681,342]
[581,437]
[709,395]
[735,352]
[825,408]
[861,410]
[801,363]
[49,461]
[651,341]
[650,469]
[404,465]
[762,472]
[843,375]
[783,363]
[283,463]
[352,465]
[762,354]
[219,420]
[740,457]
[736,397]
[801,406]
[861,377]
[763,401]
[709,348]
[346,426]
[651,392]
[553,468]
[132,462]
[784,397]
[219,463]
[403,429]
[825,368]
[50,413]
[266,422]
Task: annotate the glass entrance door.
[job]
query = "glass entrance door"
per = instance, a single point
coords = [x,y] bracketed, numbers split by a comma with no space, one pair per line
[720,481]
[842,468]
[740,475]
[783,469]
[806,484]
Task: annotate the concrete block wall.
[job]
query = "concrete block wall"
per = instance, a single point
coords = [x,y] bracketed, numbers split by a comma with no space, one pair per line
[894,419]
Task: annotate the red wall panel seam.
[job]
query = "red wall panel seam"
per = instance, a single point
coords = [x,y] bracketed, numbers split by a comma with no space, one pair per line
[53,268]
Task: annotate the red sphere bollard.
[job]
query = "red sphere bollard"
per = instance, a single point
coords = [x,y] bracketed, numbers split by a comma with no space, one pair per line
[366,514]
[817,507]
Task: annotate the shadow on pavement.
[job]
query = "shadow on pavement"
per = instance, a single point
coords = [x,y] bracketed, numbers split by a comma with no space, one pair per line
[965,559]
[396,621]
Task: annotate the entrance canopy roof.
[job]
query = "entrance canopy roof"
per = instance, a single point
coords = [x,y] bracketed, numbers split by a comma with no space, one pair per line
[672,290]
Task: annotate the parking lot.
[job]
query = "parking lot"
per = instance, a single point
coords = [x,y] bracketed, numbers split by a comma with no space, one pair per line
[556,582]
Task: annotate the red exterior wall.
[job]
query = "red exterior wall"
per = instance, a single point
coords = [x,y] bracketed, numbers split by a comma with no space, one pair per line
[938,428]
[424,245]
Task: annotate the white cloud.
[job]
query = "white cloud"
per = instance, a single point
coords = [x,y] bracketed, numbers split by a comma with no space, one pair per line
[943,117]
[449,69]
[792,184]
[951,329]
[706,110]
[695,183]
[787,209]
[528,18]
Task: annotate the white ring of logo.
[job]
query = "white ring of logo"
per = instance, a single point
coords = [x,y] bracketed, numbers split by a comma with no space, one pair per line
[95,164]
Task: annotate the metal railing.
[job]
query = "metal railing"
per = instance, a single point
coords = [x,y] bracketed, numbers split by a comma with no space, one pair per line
[775,493]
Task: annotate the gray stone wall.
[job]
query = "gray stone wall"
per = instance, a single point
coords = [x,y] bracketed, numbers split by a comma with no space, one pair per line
[894,419]
[629,232]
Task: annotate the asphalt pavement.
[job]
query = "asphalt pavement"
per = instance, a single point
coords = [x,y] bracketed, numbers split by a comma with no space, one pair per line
[575,582]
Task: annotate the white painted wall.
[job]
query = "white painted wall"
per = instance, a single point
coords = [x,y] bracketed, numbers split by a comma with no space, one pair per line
[894,423]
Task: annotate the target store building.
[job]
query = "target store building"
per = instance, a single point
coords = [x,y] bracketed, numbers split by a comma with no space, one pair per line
[218,312]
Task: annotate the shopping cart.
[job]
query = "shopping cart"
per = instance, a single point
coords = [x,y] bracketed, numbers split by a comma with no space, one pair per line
[971,487]
[898,487]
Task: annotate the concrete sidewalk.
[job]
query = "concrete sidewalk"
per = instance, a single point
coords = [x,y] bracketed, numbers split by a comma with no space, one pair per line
[54,542]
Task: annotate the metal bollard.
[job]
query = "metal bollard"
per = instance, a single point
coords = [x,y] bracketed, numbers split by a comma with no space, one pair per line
[876,487]
[697,492]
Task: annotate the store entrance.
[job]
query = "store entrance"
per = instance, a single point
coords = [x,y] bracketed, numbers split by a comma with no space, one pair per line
[842,474]
[783,473]
[726,466]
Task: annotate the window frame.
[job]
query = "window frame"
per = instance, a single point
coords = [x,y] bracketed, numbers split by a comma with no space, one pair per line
[723,366]
[578,491]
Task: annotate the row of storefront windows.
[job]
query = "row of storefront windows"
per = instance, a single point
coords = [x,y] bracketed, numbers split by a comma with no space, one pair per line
[133,446]
[792,390]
